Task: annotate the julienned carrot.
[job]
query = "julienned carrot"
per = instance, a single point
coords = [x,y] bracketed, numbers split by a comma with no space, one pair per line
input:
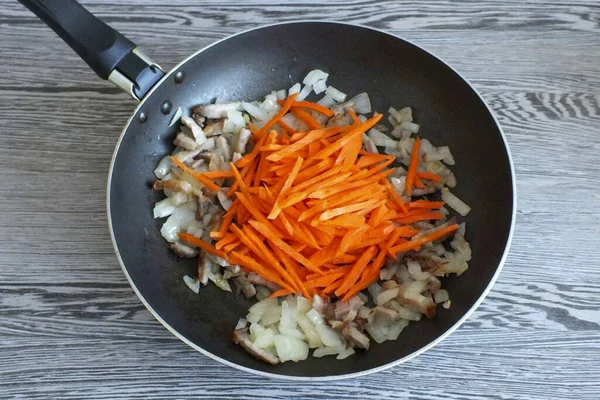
[312,211]
[412,167]
[426,204]
[313,106]
[306,118]
[197,175]
[284,109]
[429,176]
[209,248]
[417,243]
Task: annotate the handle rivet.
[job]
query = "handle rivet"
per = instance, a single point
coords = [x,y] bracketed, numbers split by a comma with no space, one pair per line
[166,107]
[179,76]
[143,117]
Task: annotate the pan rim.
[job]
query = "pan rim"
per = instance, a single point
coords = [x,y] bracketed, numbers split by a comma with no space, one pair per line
[380,368]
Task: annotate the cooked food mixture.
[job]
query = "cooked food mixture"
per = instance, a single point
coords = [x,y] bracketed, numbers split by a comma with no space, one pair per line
[339,225]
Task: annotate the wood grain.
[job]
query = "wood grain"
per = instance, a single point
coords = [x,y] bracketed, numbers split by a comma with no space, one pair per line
[70,325]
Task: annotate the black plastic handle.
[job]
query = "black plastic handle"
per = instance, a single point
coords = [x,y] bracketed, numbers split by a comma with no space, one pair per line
[100,46]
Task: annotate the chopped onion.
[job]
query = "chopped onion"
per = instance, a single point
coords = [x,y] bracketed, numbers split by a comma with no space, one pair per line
[303,305]
[306,90]
[178,221]
[163,208]
[319,86]
[441,296]
[328,336]
[444,151]
[312,336]
[192,283]
[290,348]
[335,94]
[294,89]
[271,316]
[315,75]
[281,94]
[362,103]
[163,167]
[326,101]
[455,203]
[377,332]
[374,289]
[345,354]
[255,111]
[328,351]
[226,202]
[381,139]
[395,329]
[241,324]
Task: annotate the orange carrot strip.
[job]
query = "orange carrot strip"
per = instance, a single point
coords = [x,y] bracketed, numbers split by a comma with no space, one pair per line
[429,176]
[426,204]
[209,248]
[287,184]
[284,109]
[290,149]
[412,167]
[417,243]
[356,271]
[306,118]
[196,175]
[313,106]
[279,293]
[250,263]
[347,138]
[276,241]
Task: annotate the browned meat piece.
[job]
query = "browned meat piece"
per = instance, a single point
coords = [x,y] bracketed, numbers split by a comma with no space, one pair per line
[355,337]
[173,184]
[183,250]
[184,141]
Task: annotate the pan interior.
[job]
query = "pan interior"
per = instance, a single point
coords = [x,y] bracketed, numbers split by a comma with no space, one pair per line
[250,65]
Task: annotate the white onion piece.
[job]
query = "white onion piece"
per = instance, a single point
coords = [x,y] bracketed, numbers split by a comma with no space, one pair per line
[192,283]
[226,202]
[271,316]
[328,351]
[292,332]
[377,332]
[163,167]
[241,324]
[455,203]
[362,103]
[328,336]
[288,316]
[315,75]
[414,268]
[395,329]
[444,151]
[236,118]
[290,348]
[335,94]
[319,86]
[303,305]
[294,89]
[163,208]
[441,296]
[326,101]
[178,221]
[312,336]
[281,94]
[295,123]
[255,111]
[345,354]
[395,115]
[306,90]
[381,139]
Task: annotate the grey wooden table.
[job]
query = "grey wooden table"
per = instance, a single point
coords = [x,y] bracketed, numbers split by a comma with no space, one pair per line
[70,325]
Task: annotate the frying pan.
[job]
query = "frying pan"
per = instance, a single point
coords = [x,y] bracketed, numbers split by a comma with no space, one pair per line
[248,66]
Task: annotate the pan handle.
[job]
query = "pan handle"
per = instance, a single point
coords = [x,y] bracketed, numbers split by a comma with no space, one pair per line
[111,55]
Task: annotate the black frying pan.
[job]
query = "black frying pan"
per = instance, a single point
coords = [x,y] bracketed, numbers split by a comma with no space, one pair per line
[247,66]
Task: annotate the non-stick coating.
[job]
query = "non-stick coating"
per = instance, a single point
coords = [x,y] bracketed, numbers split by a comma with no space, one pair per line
[248,66]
